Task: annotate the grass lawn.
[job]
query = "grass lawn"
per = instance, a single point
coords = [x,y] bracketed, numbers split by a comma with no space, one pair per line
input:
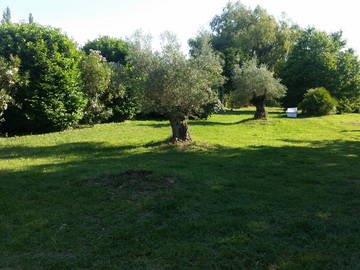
[282,194]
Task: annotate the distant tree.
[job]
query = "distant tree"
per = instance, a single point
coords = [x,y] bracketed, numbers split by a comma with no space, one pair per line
[254,85]
[319,59]
[176,86]
[52,98]
[123,100]
[113,49]
[241,33]
[196,43]
[96,75]
[6,18]
[31,18]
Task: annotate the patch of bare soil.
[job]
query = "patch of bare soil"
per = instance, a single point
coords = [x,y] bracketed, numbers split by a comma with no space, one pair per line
[139,182]
[355,181]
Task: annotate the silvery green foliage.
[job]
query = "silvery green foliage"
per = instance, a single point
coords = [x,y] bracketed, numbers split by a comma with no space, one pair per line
[9,77]
[177,85]
[140,61]
[252,81]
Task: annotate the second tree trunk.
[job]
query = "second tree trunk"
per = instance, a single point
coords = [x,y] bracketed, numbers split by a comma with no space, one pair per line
[259,103]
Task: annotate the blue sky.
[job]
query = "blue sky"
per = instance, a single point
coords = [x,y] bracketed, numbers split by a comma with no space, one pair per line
[84,20]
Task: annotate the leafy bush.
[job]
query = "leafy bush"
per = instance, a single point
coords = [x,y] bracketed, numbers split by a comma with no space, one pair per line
[51,99]
[124,103]
[113,49]
[231,102]
[206,110]
[124,108]
[96,76]
[348,105]
[317,101]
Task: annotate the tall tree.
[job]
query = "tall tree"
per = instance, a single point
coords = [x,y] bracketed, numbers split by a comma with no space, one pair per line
[320,59]
[6,18]
[241,33]
[254,85]
[31,18]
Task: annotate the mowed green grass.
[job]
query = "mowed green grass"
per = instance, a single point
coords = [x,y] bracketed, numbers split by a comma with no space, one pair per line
[281,194]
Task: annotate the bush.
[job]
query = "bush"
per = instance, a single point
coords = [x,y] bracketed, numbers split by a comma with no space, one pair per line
[51,99]
[205,111]
[231,102]
[317,101]
[124,103]
[113,49]
[124,108]
[348,105]
[96,76]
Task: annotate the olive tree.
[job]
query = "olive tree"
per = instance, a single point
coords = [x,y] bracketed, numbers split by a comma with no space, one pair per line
[254,85]
[176,85]
[240,33]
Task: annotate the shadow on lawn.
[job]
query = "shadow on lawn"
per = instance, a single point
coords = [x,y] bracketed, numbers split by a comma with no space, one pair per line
[243,112]
[254,206]
[204,123]
[288,163]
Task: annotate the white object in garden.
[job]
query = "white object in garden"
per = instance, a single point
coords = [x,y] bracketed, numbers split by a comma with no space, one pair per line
[291,112]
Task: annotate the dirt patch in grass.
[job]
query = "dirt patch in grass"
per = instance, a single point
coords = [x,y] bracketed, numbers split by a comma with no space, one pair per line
[140,182]
[355,181]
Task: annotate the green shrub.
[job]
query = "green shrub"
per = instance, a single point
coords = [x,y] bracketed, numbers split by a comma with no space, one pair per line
[124,103]
[317,101]
[205,111]
[96,77]
[51,99]
[348,105]
[124,108]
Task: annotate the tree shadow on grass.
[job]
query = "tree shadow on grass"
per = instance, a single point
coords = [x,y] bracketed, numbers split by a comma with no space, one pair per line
[346,131]
[201,123]
[243,112]
[234,207]
[211,123]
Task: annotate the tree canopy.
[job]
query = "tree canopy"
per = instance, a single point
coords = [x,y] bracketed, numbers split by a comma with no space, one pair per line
[319,59]
[113,49]
[241,33]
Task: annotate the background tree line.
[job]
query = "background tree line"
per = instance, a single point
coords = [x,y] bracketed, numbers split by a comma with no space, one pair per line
[247,57]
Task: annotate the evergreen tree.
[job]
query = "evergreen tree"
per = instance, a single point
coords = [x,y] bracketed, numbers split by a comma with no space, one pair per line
[6,16]
[31,18]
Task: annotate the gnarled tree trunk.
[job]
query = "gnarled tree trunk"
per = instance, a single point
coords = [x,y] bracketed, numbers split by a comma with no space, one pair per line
[259,103]
[180,130]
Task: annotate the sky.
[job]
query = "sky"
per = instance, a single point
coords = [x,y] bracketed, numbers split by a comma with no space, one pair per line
[85,20]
